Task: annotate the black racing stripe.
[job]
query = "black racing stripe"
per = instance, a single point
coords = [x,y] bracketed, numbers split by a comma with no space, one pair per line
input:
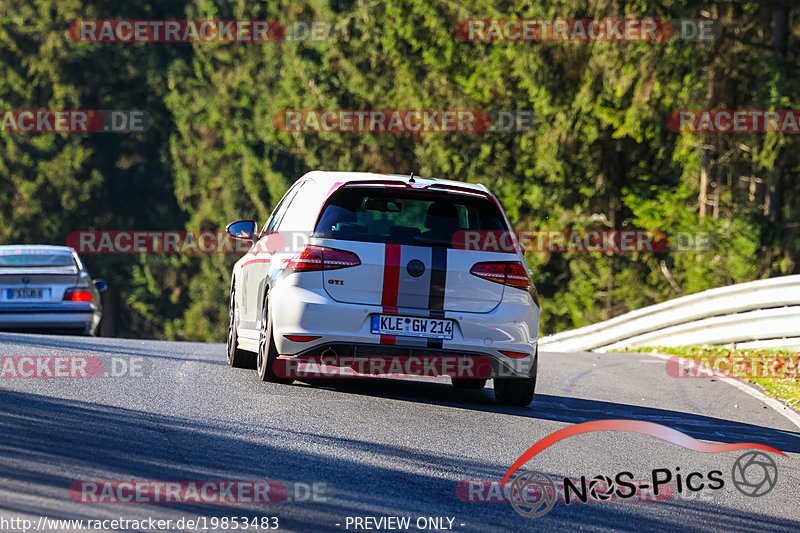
[436,294]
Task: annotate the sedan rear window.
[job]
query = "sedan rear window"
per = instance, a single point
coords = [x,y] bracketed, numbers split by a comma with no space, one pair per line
[411,217]
[36,260]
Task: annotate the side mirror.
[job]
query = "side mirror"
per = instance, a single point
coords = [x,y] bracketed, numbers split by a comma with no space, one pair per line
[100,285]
[244,230]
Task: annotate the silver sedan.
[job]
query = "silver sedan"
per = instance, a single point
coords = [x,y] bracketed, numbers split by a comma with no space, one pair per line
[47,288]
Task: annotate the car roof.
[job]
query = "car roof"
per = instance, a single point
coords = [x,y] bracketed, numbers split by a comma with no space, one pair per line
[330,178]
[11,248]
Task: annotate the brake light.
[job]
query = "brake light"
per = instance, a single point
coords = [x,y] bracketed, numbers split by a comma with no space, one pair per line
[313,258]
[511,273]
[77,295]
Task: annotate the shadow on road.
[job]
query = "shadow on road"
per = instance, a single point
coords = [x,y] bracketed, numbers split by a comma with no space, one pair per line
[46,442]
[568,410]
[120,347]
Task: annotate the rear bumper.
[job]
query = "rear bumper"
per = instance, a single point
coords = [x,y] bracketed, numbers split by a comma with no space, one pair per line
[425,362]
[70,316]
[512,326]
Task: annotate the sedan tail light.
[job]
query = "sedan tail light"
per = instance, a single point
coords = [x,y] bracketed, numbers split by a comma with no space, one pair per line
[511,273]
[313,258]
[77,295]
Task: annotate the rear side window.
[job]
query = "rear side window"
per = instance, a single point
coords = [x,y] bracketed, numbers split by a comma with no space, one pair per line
[297,216]
[277,214]
[398,216]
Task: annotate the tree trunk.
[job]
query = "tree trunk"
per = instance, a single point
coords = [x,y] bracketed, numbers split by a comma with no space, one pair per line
[780,31]
[108,325]
[702,198]
[772,198]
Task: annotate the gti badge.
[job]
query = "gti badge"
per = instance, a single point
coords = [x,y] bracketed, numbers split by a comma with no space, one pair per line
[416,268]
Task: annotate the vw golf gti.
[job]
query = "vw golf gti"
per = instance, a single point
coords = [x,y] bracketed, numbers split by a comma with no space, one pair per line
[369,265]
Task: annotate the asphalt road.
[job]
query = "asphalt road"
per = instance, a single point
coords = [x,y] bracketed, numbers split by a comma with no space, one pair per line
[380,447]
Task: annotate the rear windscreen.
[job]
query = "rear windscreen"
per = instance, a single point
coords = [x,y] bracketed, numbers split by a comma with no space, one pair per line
[396,216]
[36,260]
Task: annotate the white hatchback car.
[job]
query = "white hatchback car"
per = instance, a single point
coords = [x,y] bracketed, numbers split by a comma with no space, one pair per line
[363,264]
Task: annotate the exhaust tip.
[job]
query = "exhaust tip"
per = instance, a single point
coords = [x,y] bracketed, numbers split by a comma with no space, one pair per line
[329,352]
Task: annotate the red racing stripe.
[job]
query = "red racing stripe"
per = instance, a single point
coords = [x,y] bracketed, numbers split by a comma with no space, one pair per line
[391,285]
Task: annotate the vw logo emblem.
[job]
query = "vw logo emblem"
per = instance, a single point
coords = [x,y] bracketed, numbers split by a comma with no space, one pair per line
[26,280]
[416,268]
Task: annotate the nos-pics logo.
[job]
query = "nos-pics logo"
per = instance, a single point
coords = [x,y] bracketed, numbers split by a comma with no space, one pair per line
[533,493]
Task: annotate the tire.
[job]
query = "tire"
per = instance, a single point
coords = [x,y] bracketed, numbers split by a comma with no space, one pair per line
[237,357]
[469,383]
[514,391]
[517,391]
[267,351]
[93,332]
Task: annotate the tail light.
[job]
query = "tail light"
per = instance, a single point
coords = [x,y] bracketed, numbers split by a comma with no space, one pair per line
[313,258]
[511,273]
[77,295]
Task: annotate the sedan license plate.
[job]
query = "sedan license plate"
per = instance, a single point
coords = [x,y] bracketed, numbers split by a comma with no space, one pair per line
[28,293]
[407,326]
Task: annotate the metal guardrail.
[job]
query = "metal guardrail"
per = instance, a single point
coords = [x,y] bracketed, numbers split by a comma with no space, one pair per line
[764,313]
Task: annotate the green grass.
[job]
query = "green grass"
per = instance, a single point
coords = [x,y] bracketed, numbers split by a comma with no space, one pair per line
[775,371]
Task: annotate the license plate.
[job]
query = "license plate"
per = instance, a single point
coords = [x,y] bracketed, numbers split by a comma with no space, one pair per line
[27,294]
[408,326]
